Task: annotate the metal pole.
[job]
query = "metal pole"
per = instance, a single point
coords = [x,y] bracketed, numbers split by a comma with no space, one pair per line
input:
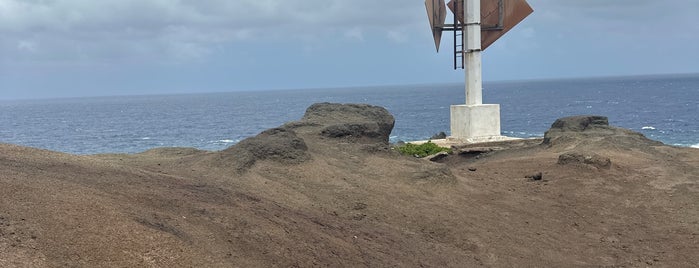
[472,41]
[456,22]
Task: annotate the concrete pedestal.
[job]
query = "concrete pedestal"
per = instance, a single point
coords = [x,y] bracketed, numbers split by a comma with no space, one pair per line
[475,122]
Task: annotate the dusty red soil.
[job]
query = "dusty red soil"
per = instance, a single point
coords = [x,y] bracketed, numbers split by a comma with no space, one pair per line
[348,205]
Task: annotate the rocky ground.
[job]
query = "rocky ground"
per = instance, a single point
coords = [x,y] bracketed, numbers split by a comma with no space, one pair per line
[328,190]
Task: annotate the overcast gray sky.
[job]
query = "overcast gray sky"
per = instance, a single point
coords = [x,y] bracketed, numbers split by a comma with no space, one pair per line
[65,48]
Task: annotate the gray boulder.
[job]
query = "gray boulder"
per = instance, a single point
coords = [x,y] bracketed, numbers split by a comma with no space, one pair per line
[278,144]
[360,123]
[580,123]
[439,136]
[357,123]
[589,129]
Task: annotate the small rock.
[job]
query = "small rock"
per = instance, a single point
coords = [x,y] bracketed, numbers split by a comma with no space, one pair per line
[472,169]
[438,156]
[439,136]
[536,177]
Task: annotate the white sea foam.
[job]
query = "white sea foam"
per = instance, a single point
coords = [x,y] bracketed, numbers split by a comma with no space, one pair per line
[695,146]
[521,134]
[648,128]
[226,141]
[146,138]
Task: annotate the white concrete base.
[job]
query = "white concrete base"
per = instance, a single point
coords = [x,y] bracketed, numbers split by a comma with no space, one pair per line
[451,141]
[480,139]
[475,122]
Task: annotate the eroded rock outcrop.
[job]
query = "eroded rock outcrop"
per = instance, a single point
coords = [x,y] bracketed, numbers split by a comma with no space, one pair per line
[349,123]
[593,130]
[586,141]
[277,144]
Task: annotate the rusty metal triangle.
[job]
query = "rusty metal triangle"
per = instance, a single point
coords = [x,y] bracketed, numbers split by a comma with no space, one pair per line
[437,14]
[514,12]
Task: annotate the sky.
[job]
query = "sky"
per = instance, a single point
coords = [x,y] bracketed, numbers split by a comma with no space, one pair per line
[71,48]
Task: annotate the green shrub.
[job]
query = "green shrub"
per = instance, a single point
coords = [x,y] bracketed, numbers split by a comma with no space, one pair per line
[422,150]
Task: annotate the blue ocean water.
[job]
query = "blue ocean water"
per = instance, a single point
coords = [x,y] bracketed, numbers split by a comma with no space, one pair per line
[664,108]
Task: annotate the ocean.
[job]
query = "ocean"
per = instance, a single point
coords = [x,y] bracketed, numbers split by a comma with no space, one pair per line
[664,108]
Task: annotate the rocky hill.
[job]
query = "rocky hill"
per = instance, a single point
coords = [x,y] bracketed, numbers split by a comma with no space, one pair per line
[328,190]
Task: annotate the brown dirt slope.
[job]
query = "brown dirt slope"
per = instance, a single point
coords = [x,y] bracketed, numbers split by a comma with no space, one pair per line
[329,192]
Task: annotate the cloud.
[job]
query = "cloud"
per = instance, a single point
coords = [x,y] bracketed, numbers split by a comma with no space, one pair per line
[636,11]
[397,36]
[616,20]
[355,33]
[114,29]
[26,46]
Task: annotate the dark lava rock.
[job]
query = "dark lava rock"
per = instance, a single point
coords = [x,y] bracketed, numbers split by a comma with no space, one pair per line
[590,159]
[368,125]
[536,177]
[277,144]
[580,123]
[571,127]
[353,122]
[593,130]
[437,157]
[439,136]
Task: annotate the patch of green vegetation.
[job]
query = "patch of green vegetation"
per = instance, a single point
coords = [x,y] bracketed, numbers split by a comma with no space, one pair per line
[422,150]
